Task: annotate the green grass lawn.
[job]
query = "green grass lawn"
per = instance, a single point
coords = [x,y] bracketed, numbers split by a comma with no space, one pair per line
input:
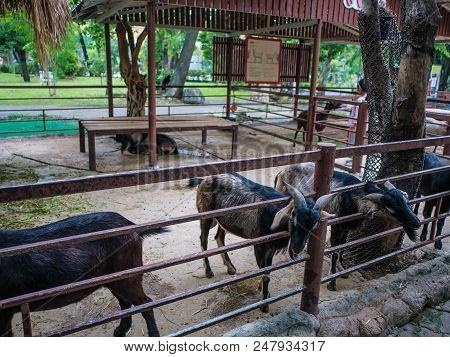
[43,96]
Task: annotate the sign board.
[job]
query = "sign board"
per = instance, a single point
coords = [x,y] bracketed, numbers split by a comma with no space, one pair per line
[357,4]
[262,60]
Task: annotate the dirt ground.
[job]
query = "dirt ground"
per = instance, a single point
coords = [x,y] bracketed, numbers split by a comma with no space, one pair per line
[148,203]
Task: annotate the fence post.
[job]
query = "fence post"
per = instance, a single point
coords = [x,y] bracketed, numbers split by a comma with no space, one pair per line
[230,43]
[26,320]
[313,268]
[311,120]
[298,75]
[43,120]
[359,136]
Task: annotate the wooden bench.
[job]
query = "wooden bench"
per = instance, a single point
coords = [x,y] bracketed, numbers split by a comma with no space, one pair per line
[139,125]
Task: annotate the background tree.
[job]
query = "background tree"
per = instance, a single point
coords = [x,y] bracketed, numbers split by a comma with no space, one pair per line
[15,36]
[182,68]
[129,50]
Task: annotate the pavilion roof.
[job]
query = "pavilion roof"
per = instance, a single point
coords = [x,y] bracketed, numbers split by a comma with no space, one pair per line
[278,18]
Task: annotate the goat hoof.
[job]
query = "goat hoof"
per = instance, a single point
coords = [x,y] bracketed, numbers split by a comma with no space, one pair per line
[423,237]
[438,245]
[118,332]
[231,271]
[331,286]
[209,274]
[264,308]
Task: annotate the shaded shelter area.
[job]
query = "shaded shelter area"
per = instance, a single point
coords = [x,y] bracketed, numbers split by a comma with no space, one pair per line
[306,20]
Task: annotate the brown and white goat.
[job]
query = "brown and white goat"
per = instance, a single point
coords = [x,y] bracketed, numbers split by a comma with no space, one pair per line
[391,204]
[299,217]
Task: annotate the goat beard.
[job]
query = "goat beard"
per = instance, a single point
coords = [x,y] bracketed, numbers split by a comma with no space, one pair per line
[411,233]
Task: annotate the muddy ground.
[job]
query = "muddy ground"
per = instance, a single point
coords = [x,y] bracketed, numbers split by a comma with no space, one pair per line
[144,204]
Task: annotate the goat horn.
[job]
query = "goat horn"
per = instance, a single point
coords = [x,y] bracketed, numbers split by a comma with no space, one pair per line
[323,201]
[299,199]
[374,197]
[389,185]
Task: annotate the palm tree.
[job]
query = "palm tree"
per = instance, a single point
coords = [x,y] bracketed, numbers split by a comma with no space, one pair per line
[49,19]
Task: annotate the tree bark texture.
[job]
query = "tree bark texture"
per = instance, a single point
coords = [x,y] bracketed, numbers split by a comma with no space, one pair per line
[420,21]
[21,57]
[182,68]
[129,69]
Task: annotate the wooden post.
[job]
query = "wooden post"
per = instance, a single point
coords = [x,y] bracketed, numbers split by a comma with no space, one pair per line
[151,35]
[109,83]
[297,78]
[26,320]
[359,136]
[229,75]
[312,91]
[316,245]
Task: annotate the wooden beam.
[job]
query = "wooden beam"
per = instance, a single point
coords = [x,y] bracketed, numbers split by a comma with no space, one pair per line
[275,28]
[112,10]
[347,28]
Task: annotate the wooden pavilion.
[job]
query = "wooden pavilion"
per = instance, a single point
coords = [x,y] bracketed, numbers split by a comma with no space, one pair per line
[316,20]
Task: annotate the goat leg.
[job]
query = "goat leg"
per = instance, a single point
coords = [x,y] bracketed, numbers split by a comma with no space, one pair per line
[220,239]
[5,323]
[205,226]
[264,257]
[125,323]
[428,209]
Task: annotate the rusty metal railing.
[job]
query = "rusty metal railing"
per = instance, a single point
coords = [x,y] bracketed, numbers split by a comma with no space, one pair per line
[324,158]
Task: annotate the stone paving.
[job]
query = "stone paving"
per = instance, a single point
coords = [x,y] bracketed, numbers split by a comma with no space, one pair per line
[432,322]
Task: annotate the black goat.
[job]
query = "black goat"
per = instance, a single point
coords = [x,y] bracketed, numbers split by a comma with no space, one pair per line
[299,217]
[392,204]
[138,144]
[165,82]
[429,185]
[30,272]
[302,120]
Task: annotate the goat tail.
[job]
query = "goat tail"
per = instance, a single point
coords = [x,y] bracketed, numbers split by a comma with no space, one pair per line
[152,231]
[194,182]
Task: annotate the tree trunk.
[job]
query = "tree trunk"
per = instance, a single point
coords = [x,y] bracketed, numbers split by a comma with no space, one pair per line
[129,69]
[21,56]
[136,93]
[165,54]
[85,53]
[182,68]
[327,66]
[420,21]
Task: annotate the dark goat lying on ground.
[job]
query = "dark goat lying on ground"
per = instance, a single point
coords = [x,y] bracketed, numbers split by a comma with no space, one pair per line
[429,185]
[299,217]
[138,144]
[30,272]
[390,204]
[303,118]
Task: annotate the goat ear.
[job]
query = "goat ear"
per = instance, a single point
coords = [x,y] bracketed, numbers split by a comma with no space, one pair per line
[280,215]
[324,215]
[323,201]
[298,197]
[374,197]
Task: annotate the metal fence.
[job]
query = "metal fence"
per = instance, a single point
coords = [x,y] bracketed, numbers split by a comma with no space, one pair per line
[310,287]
